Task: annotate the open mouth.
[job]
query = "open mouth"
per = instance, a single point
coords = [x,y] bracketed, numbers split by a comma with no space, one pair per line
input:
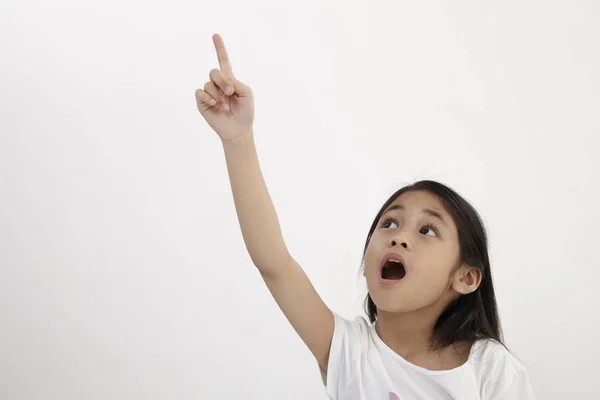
[393,269]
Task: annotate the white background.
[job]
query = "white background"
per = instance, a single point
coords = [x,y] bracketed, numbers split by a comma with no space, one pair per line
[123,271]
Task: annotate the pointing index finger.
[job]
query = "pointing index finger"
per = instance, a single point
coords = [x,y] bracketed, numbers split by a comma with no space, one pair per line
[224,63]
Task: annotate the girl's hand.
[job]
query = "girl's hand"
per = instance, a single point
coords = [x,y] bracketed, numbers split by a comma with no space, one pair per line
[226,103]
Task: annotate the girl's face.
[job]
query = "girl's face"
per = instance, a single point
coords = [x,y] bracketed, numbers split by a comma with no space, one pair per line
[417,231]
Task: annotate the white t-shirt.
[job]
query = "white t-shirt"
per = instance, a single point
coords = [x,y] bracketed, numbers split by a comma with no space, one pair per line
[362,367]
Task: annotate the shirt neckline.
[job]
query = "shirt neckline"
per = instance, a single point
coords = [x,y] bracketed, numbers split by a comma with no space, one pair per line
[380,343]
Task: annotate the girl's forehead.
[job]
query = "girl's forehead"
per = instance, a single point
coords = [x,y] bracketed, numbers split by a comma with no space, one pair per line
[421,202]
[419,199]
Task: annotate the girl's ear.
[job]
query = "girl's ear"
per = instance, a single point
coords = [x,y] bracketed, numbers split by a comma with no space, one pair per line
[466,279]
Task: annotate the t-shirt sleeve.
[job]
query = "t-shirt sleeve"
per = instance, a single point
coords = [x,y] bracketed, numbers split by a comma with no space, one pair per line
[518,389]
[347,347]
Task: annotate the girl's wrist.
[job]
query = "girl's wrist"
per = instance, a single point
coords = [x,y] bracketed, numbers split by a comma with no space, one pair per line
[243,140]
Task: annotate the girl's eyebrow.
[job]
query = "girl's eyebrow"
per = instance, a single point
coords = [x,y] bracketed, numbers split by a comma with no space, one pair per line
[433,213]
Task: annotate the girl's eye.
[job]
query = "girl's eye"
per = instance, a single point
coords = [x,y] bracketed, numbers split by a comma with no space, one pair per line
[428,231]
[387,223]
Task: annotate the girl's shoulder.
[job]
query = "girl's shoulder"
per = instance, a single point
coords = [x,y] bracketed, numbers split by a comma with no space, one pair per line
[497,369]
[489,353]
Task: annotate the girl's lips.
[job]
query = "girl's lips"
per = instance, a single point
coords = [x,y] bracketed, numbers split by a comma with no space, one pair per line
[396,257]
[389,282]
[392,256]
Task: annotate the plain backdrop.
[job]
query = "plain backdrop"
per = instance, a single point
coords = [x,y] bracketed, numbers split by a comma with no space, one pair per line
[123,273]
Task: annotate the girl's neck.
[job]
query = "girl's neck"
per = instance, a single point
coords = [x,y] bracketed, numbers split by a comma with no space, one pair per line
[407,334]
[410,336]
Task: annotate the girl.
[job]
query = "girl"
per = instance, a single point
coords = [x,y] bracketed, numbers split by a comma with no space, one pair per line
[434,331]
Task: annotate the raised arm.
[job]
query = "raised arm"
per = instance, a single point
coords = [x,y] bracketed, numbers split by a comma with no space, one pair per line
[231,115]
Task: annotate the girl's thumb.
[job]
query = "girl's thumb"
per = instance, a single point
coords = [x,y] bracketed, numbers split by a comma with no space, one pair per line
[241,89]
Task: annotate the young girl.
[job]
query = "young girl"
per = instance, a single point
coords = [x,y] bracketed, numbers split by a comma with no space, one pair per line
[434,331]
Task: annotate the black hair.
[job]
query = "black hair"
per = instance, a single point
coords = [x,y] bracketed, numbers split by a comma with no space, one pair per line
[472,316]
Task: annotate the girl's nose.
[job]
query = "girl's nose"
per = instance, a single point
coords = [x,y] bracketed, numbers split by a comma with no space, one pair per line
[395,242]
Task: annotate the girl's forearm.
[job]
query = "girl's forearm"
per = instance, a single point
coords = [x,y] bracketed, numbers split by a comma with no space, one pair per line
[255,210]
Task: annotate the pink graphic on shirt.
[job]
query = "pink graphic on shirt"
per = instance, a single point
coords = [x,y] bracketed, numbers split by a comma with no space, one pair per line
[394,396]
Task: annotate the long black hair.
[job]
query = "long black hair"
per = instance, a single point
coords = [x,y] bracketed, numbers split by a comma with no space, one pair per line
[472,316]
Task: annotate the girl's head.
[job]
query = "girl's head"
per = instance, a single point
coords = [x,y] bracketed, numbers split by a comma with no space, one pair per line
[443,266]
